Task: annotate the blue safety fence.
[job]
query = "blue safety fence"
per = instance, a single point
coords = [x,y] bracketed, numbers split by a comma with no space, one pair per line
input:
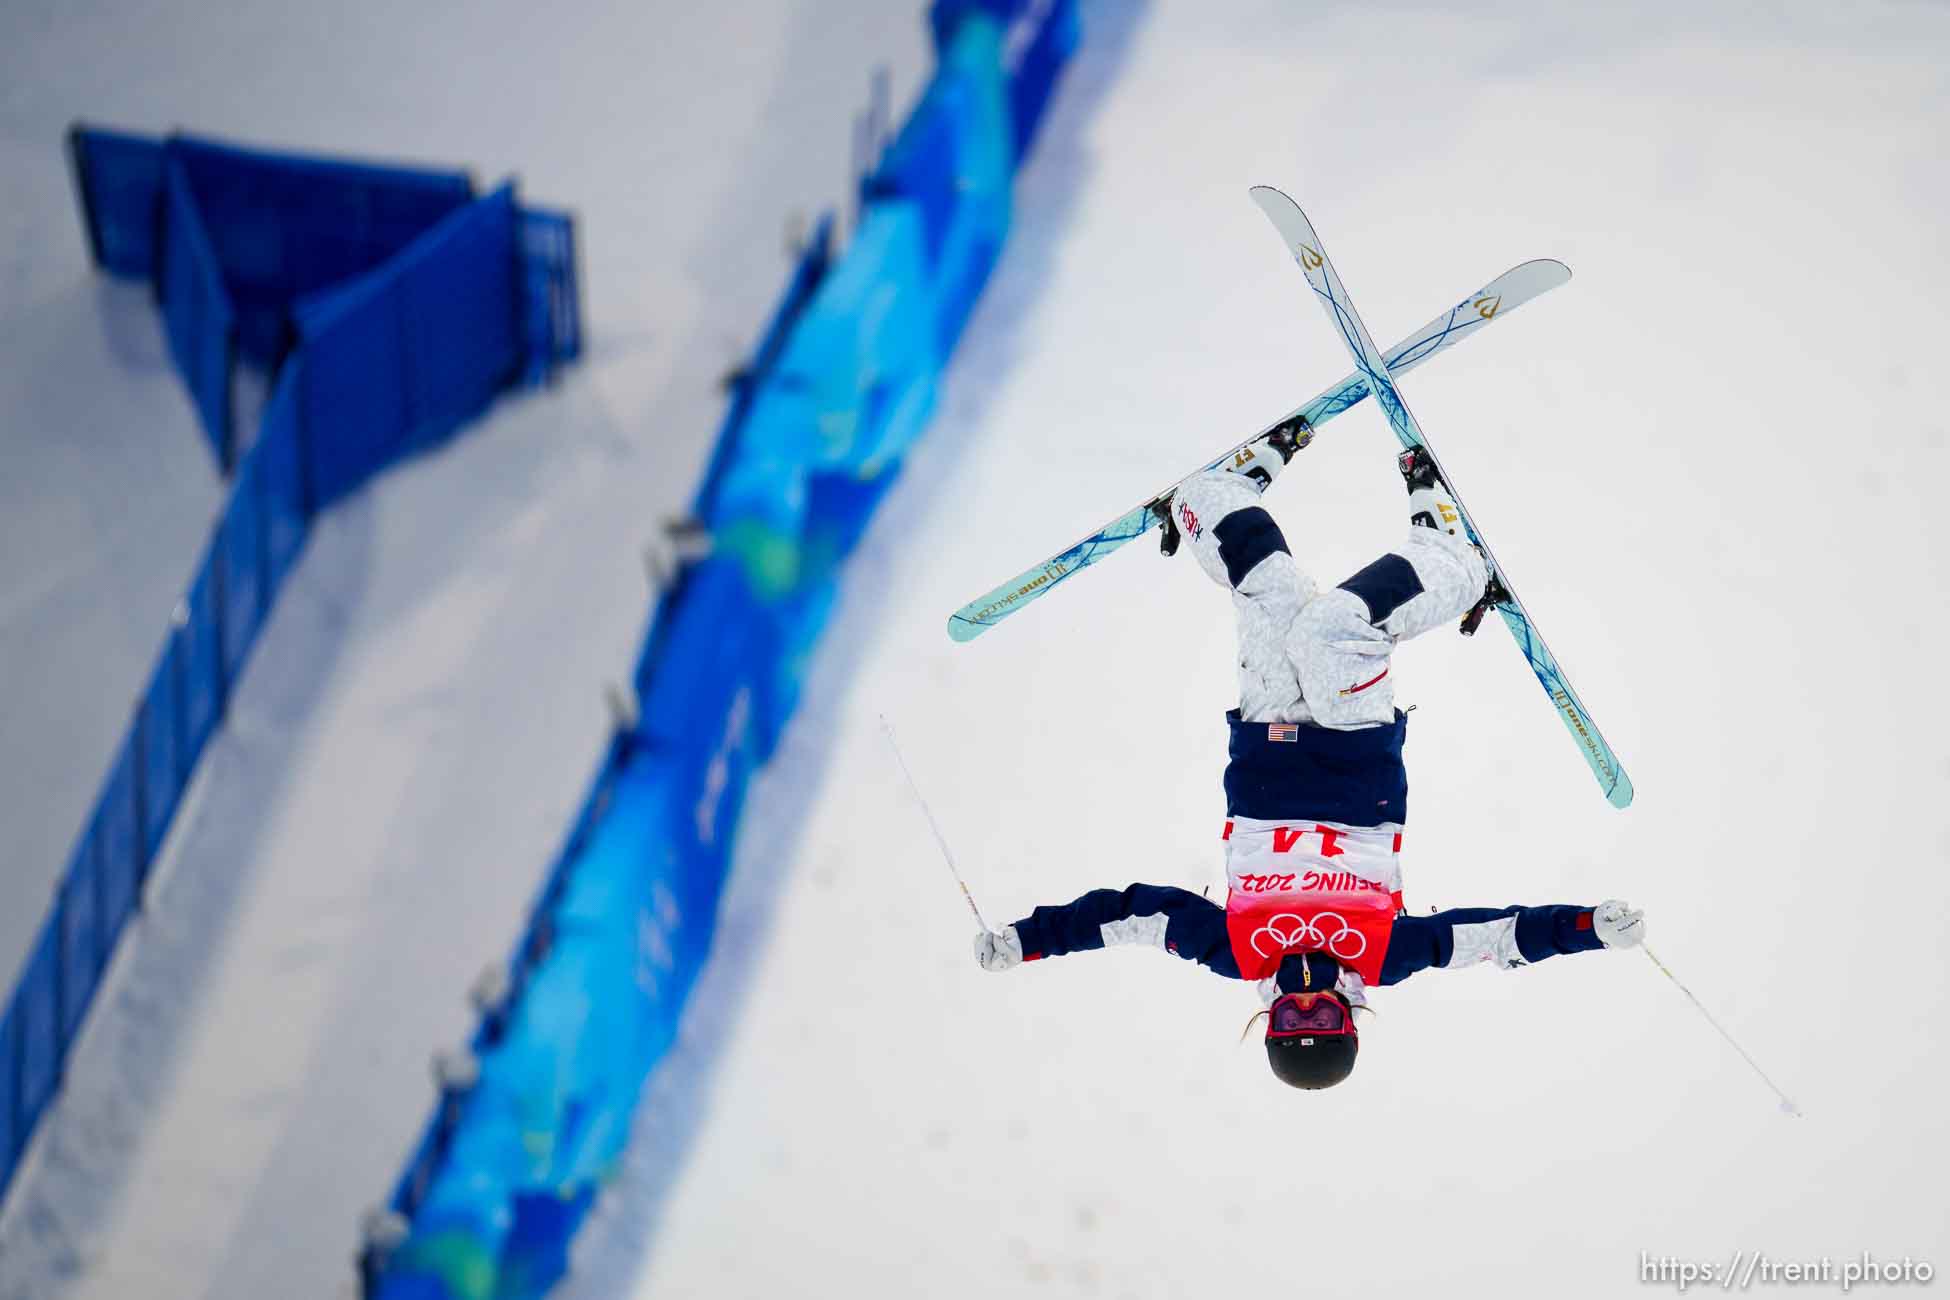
[396,358]
[198,317]
[238,243]
[533,1118]
[394,306]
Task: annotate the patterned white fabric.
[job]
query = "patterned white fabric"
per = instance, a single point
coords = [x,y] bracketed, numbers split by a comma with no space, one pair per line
[1342,662]
[1453,576]
[1312,656]
[1265,603]
[1146,930]
[1493,941]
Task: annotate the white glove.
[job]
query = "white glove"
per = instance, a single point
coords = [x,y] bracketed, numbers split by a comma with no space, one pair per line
[1619,924]
[998,951]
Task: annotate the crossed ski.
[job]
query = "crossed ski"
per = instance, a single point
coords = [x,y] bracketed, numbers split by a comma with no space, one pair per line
[1311,255]
[1492,302]
[1374,373]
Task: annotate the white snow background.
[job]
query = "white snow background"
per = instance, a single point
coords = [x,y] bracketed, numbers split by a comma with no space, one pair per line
[1710,463]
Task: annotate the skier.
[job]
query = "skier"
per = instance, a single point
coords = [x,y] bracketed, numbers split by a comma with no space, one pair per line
[1316,793]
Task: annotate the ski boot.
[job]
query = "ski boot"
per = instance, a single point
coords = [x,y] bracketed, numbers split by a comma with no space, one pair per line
[1250,461]
[1494,594]
[1430,505]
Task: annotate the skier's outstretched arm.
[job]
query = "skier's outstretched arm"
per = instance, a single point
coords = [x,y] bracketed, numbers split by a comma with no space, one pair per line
[1159,916]
[1508,936]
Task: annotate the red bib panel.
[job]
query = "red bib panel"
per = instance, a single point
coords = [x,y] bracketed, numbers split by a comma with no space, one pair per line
[1334,912]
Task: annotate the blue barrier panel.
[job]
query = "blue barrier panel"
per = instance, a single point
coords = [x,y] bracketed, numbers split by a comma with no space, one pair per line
[285,226]
[39,1010]
[551,313]
[118,842]
[852,386]
[118,180]
[955,158]
[83,952]
[920,166]
[807,275]
[204,686]
[15,1124]
[240,544]
[1032,62]
[352,402]
[1038,38]
[398,357]
[461,315]
[280,461]
[708,634]
[158,743]
[197,316]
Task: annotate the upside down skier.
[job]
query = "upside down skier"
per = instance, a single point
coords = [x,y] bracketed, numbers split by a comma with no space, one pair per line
[1316,792]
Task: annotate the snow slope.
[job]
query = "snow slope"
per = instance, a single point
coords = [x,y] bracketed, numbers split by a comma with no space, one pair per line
[1711,462]
[416,726]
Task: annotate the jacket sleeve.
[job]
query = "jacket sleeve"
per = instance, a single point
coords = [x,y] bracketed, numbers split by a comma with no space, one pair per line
[1182,923]
[1508,936]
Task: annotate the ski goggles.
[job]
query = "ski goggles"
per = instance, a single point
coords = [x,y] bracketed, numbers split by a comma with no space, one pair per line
[1308,1013]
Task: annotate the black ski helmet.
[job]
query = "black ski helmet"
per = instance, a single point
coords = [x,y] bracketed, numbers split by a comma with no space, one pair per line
[1314,1061]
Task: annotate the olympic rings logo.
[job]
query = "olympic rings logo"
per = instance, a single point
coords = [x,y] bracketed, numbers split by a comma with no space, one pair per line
[1345,942]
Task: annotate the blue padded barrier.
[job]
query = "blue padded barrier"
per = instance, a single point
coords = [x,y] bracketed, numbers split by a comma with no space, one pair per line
[808,273]
[198,318]
[1038,38]
[954,160]
[853,384]
[1037,49]
[816,430]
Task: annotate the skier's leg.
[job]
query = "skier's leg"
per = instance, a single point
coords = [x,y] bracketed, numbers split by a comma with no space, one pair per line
[1341,642]
[1449,571]
[1239,547]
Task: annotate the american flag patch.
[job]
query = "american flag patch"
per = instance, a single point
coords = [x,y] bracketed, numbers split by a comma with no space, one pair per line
[1287,731]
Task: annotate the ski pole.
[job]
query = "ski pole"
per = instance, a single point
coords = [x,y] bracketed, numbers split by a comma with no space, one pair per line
[940,839]
[1787,1104]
